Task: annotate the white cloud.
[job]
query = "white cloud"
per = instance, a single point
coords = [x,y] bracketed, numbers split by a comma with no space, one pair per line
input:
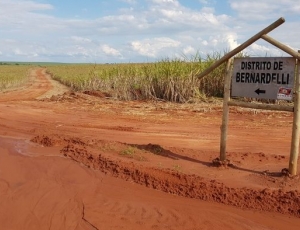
[205,43]
[19,12]
[171,13]
[132,2]
[80,39]
[25,17]
[267,9]
[154,47]
[22,6]
[177,15]
[232,42]
[214,42]
[24,53]
[78,51]
[169,3]
[153,30]
[263,50]
[110,51]
[17,51]
[119,18]
[163,28]
[189,50]
[256,47]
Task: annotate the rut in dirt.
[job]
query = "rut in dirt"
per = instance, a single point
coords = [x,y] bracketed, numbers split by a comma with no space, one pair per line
[190,186]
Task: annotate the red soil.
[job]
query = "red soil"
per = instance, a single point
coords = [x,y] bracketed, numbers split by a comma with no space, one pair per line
[86,161]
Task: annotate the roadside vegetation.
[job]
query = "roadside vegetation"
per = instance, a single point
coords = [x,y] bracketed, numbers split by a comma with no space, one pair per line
[13,75]
[174,80]
[169,79]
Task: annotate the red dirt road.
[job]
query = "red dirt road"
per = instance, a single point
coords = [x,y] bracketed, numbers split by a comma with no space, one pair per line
[83,161]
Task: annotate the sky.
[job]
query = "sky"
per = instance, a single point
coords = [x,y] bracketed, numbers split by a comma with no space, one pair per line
[129,31]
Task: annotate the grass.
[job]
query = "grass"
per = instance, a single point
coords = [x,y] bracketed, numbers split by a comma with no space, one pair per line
[133,153]
[177,168]
[128,152]
[172,80]
[13,76]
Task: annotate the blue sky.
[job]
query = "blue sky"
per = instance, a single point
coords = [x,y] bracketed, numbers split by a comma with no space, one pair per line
[121,31]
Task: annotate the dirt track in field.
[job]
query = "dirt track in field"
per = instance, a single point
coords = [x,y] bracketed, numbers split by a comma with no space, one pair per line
[83,161]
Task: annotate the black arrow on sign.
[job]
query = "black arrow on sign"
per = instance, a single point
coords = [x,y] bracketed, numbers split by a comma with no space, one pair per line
[258,91]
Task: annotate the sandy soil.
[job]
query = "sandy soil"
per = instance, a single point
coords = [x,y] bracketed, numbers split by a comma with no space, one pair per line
[84,161]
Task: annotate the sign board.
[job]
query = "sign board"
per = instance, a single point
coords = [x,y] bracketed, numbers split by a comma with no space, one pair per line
[264,77]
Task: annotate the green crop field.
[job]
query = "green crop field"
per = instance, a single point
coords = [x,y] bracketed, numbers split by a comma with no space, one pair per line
[13,75]
[173,80]
[170,80]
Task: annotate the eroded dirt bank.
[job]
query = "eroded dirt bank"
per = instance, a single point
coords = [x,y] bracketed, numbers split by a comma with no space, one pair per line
[83,161]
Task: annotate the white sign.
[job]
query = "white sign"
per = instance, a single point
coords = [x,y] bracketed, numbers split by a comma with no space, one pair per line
[268,78]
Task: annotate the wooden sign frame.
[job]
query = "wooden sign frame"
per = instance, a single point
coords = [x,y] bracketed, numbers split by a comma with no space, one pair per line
[294,153]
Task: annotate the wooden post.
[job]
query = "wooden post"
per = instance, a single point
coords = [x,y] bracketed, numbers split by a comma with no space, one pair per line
[226,99]
[296,126]
[281,46]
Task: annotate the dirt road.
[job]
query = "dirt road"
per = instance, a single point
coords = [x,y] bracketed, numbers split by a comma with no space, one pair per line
[83,161]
